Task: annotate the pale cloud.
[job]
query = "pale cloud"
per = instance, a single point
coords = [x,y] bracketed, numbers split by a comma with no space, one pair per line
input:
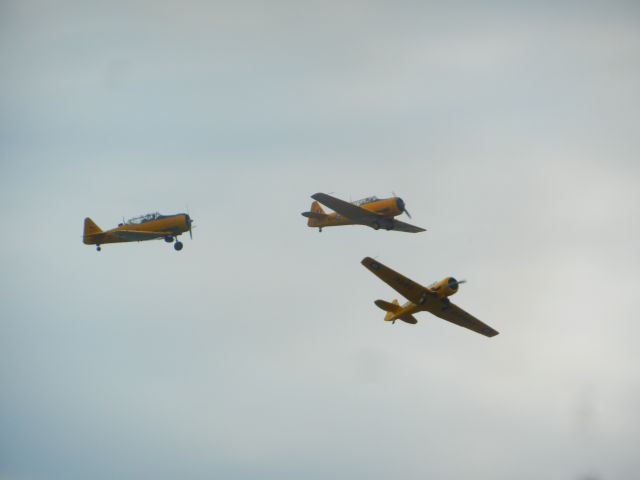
[257,352]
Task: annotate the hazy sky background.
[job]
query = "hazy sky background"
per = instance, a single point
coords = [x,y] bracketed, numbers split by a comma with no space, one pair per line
[510,130]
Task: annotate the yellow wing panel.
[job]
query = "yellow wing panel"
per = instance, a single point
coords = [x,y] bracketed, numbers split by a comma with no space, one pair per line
[412,291]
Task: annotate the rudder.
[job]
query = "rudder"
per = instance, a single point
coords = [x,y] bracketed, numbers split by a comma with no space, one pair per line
[90,228]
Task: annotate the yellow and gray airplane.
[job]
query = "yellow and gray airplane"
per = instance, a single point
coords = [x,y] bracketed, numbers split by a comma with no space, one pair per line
[152,226]
[432,299]
[371,211]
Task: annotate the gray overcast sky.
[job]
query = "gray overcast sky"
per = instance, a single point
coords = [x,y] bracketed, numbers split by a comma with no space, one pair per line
[511,131]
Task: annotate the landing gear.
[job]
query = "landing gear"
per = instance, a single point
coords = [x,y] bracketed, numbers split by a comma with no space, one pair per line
[98,248]
[177,246]
[169,239]
[375,225]
[447,304]
[319,229]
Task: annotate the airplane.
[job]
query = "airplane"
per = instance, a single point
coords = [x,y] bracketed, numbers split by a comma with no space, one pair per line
[145,227]
[433,299]
[371,211]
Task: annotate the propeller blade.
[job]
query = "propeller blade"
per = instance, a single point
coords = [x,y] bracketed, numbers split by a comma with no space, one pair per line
[190,223]
[407,212]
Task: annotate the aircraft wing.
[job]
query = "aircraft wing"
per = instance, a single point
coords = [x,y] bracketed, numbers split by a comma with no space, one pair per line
[139,235]
[405,227]
[412,291]
[352,212]
[454,314]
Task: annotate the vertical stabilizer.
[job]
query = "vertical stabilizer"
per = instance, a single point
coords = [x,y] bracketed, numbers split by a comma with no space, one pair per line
[315,215]
[90,228]
[390,314]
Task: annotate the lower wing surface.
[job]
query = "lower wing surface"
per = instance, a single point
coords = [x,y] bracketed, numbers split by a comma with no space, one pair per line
[454,314]
[136,235]
[412,291]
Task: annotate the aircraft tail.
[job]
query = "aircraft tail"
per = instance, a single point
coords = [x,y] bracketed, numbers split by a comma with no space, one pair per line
[392,309]
[315,215]
[90,228]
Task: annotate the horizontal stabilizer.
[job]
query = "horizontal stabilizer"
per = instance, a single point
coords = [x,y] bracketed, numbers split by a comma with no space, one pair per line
[392,309]
[315,215]
[388,307]
[409,319]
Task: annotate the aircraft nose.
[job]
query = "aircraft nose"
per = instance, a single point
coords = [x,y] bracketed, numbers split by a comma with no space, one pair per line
[400,204]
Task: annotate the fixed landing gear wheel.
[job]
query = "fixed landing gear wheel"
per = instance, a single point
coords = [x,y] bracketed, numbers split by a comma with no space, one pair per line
[375,225]
[168,239]
[98,248]
[177,246]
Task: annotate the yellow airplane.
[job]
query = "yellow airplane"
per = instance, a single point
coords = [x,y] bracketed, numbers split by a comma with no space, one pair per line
[146,227]
[432,299]
[371,211]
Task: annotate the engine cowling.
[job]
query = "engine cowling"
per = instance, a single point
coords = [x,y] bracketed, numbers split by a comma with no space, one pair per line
[445,287]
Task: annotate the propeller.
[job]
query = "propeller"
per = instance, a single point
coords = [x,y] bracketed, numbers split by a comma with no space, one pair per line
[401,205]
[453,283]
[189,222]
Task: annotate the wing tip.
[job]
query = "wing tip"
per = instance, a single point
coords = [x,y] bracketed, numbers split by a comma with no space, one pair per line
[366,261]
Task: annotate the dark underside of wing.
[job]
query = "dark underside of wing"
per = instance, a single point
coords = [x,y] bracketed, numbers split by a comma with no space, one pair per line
[412,291]
[352,212]
[454,314]
[138,235]
[406,227]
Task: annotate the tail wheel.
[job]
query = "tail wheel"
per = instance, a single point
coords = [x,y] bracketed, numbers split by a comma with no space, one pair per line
[375,225]
[98,248]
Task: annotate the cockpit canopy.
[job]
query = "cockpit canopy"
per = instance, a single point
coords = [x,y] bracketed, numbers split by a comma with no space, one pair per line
[364,201]
[144,218]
